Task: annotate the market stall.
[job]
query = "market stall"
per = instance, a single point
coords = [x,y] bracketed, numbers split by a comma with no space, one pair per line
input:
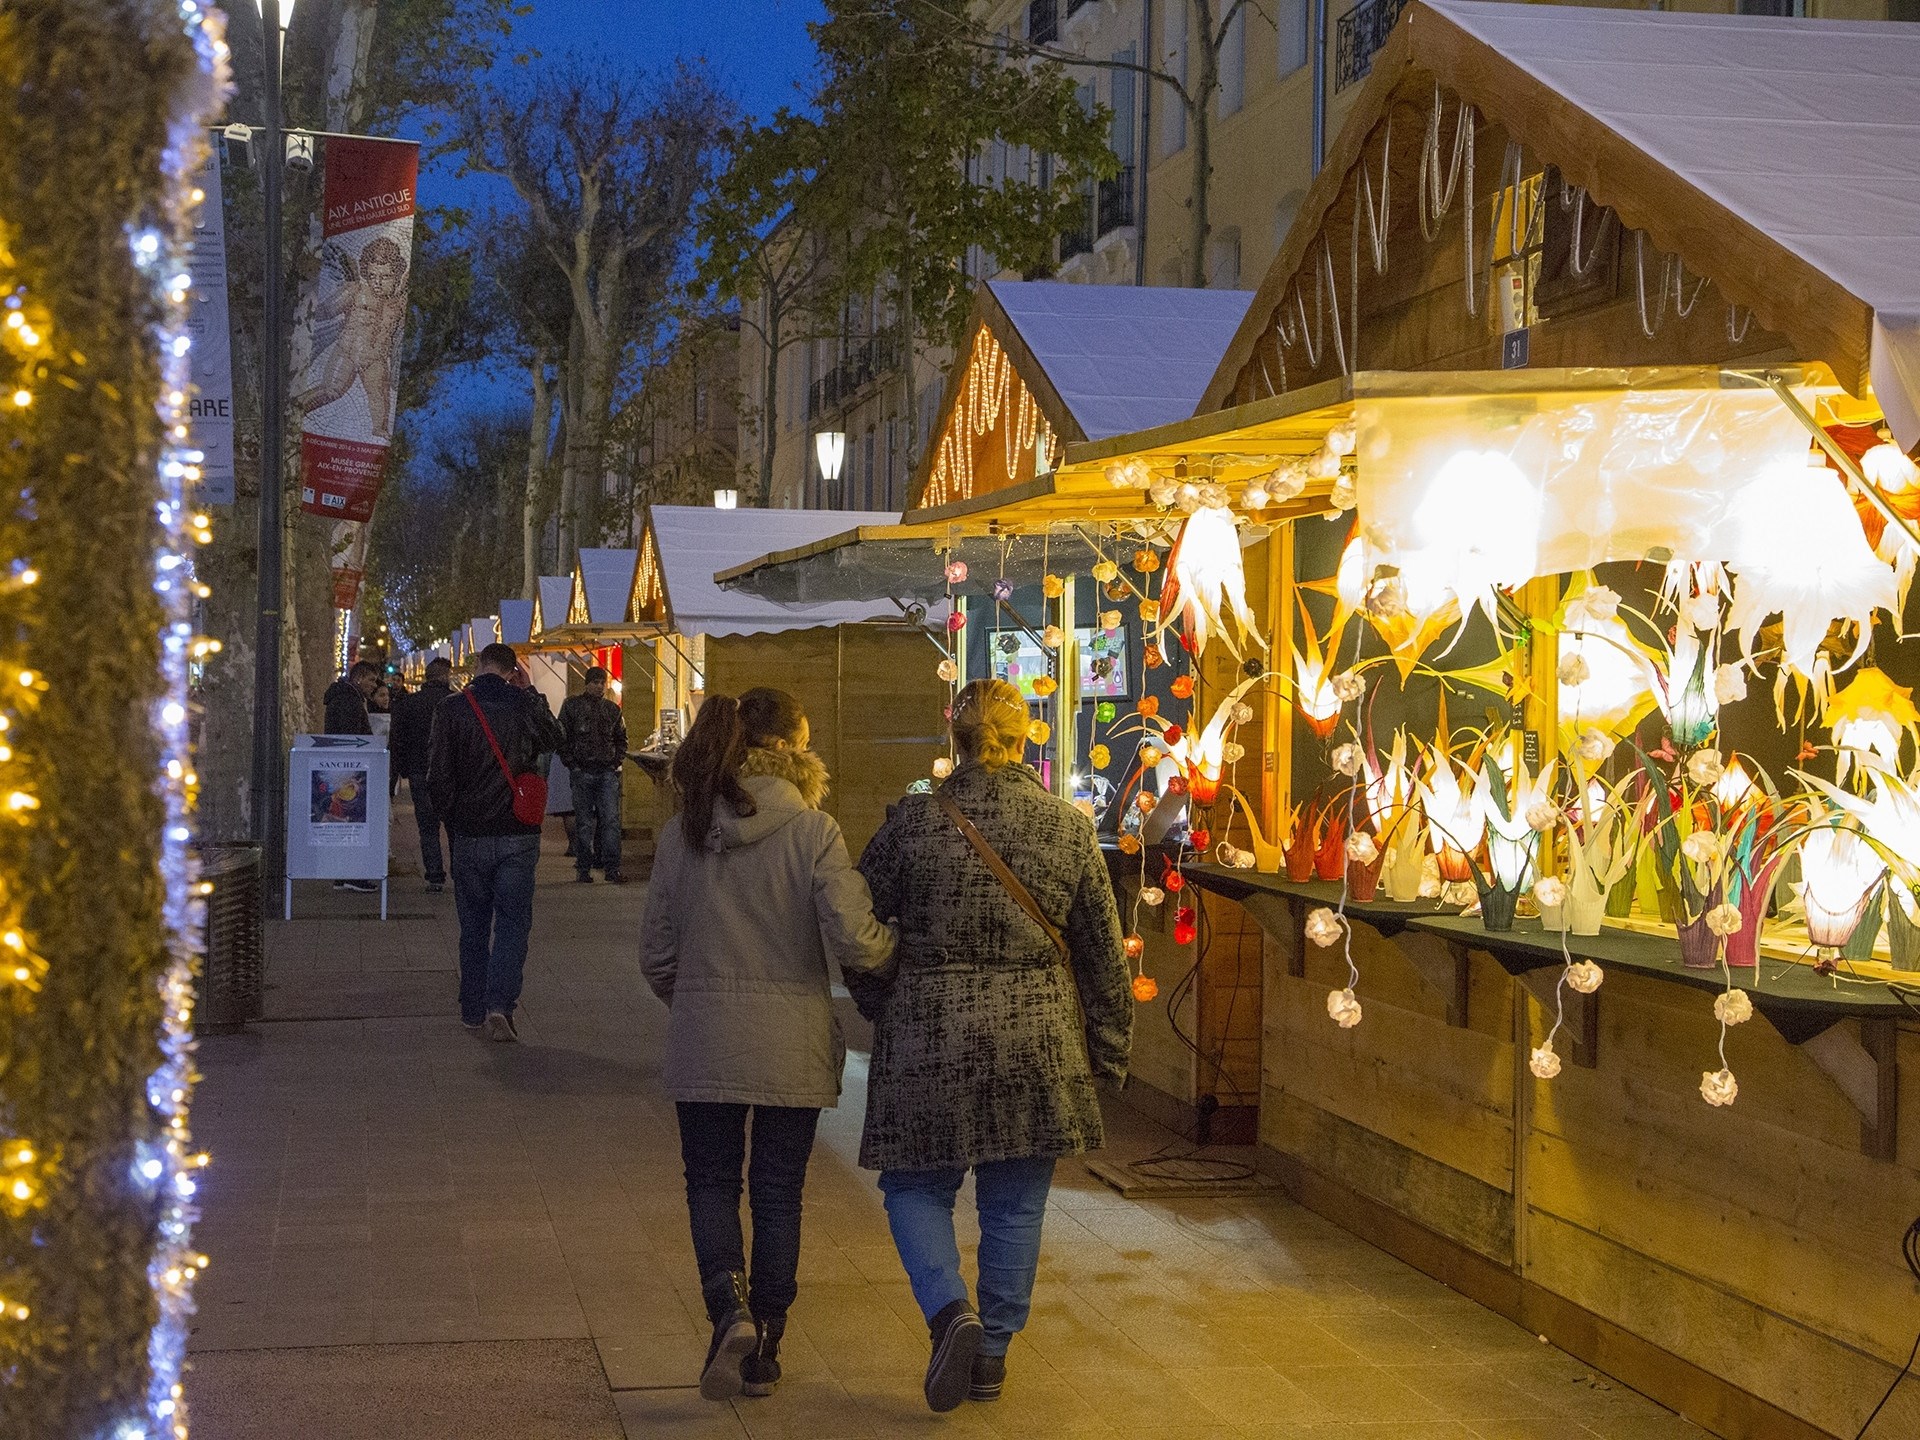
[871,659]
[1534,579]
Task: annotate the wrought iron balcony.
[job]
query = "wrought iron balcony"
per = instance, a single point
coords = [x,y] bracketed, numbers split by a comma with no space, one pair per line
[1362,31]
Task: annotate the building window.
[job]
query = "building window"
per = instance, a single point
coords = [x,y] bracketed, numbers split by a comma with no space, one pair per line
[1223,258]
[1173,59]
[1284,214]
[1290,21]
[1233,65]
[1782,8]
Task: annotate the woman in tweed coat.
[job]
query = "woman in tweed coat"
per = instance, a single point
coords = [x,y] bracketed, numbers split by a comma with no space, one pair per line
[987,1044]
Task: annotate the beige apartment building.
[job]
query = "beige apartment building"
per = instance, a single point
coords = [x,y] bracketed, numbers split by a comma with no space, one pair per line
[1273,59]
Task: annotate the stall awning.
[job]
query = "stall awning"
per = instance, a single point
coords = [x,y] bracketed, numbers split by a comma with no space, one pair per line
[691,543]
[1779,158]
[550,605]
[1048,365]
[1055,523]
[516,621]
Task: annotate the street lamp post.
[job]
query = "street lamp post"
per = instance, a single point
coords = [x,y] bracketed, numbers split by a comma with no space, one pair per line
[830,448]
[268,822]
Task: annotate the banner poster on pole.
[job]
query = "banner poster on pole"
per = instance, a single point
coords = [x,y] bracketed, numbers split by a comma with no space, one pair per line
[348,334]
[210,408]
[349,562]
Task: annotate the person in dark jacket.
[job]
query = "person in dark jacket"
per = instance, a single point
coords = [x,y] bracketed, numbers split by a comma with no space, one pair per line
[987,1044]
[410,741]
[346,700]
[594,748]
[494,853]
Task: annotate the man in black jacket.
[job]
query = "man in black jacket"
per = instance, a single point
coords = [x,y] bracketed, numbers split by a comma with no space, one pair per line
[594,748]
[410,742]
[346,700]
[494,854]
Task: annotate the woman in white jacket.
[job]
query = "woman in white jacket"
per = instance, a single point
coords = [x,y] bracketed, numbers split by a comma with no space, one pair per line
[752,893]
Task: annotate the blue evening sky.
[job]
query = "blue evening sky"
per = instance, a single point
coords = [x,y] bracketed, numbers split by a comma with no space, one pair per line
[758,51]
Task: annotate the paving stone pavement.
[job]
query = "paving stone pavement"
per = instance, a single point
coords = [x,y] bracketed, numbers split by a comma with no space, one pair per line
[419,1235]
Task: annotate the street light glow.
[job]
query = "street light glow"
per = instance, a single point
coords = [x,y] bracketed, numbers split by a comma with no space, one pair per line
[830,446]
[286,11]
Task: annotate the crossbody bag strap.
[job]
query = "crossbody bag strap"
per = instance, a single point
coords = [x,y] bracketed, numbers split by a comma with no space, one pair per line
[487,730]
[1008,880]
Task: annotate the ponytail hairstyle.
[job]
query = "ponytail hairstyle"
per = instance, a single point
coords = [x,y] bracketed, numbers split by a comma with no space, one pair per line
[990,724]
[769,715]
[706,767]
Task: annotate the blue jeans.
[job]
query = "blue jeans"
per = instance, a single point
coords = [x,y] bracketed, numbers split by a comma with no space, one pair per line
[432,861]
[713,1147]
[596,820]
[1012,1200]
[493,896]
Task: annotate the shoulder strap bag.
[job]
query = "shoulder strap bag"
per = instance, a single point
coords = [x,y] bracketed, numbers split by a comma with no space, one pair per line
[1022,897]
[529,790]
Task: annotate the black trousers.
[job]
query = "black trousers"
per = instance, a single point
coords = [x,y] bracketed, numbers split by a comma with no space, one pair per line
[713,1147]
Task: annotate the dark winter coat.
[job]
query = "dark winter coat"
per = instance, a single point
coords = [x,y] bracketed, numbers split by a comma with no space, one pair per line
[469,790]
[738,934]
[979,1050]
[346,709]
[411,738]
[594,734]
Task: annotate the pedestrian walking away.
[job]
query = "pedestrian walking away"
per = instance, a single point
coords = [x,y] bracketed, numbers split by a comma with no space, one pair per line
[752,894]
[346,699]
[410,743]
[594,748]
[1009,998]
[486,741]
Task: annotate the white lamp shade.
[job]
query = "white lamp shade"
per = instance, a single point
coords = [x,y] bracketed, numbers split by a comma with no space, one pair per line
[830,447]
[726,499]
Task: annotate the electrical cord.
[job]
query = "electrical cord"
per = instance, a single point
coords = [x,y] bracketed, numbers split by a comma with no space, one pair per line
[1910,1251]
[1179,1159]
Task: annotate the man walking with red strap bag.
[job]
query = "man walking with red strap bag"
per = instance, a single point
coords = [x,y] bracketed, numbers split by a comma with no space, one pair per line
[484,772]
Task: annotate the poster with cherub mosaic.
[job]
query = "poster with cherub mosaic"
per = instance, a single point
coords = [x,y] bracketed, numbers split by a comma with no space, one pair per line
[352,322]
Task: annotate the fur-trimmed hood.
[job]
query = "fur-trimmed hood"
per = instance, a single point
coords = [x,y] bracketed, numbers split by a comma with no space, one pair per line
[802,769]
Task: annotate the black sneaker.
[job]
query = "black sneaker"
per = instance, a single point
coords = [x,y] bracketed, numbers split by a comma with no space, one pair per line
[956,1336]
[760,1371]
[734,1335]
[583,878]
[474,1027]
[989,1374]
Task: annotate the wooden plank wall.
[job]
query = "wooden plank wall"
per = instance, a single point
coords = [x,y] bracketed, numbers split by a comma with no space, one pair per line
[871,696]
[1755,1243]
[1414,316]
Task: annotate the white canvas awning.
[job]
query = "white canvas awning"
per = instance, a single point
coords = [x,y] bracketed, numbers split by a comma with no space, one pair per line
[693,543]
[516,621]
[550,605]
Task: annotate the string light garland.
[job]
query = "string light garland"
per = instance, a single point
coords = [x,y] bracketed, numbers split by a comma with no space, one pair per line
[98,949]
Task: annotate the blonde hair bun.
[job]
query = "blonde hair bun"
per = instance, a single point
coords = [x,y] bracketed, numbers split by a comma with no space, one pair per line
[990,723]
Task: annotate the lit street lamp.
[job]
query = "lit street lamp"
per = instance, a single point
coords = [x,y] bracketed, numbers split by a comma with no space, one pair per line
[830,448]
[726,499]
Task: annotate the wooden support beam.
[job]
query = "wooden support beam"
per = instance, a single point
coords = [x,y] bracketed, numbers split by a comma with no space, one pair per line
[1581,1025]
[1859,1056]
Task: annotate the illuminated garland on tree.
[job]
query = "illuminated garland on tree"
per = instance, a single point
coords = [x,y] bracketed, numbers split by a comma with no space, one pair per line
[100,910]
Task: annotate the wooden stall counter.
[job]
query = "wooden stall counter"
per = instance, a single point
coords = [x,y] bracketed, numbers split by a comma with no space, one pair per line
[1740,1263]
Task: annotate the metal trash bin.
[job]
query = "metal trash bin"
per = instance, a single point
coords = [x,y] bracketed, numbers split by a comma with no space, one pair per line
[232,985]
